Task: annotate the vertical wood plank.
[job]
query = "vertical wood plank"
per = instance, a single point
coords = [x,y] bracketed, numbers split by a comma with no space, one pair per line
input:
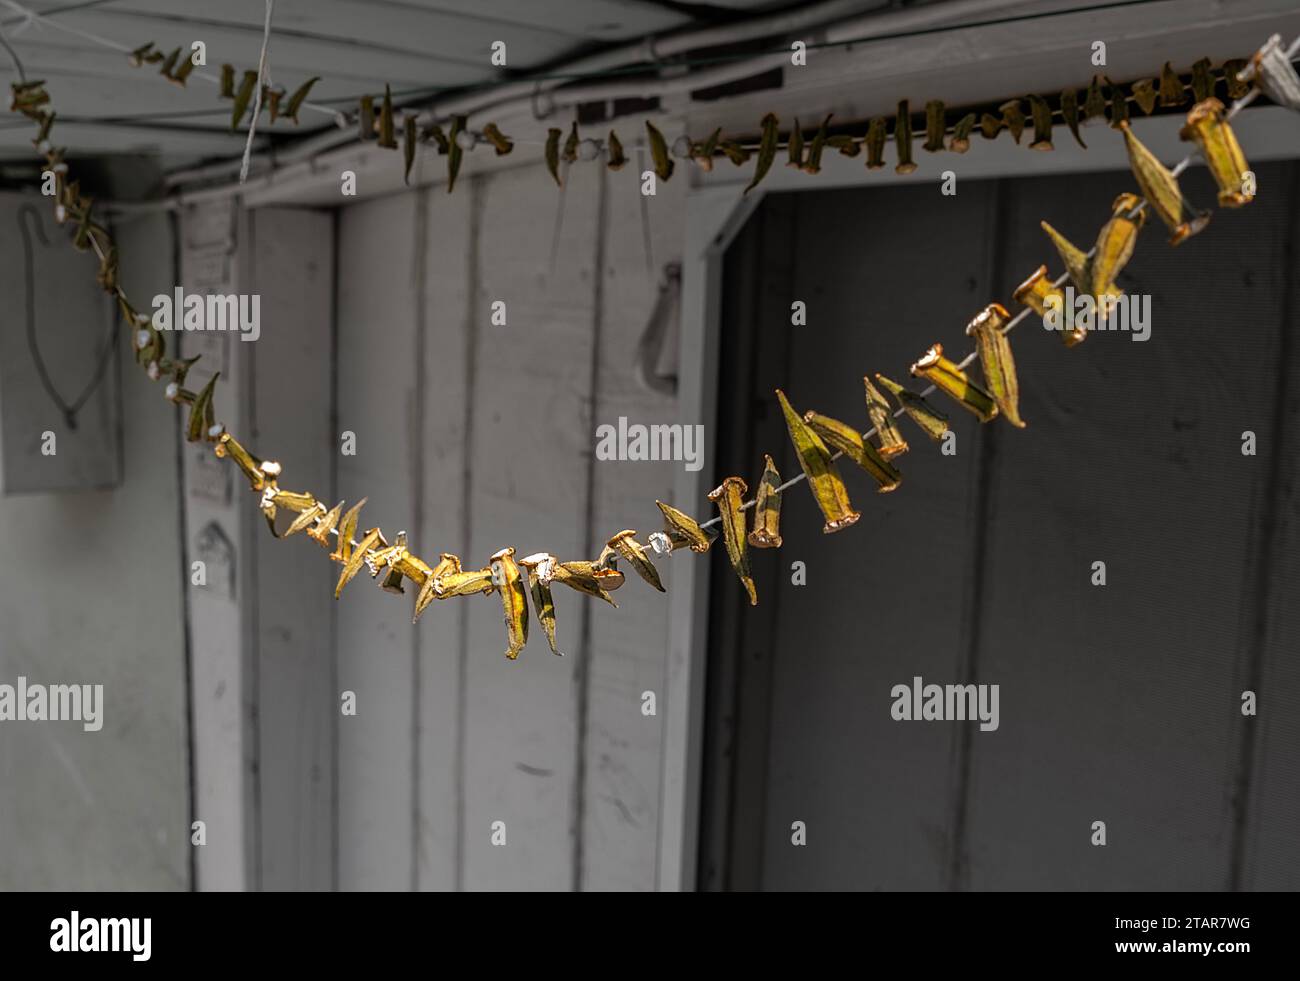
[528,460]
[449,324]
[292,270]
[376,388]
[218,532]
[622,746]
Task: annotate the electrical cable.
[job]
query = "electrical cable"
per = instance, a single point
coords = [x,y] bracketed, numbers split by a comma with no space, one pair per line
[29,273]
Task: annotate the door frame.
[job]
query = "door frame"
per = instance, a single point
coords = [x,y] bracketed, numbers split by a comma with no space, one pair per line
[716,211]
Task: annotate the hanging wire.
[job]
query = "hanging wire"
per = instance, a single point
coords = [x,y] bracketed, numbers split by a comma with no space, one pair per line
[13,56]
[69,411]
[263,79]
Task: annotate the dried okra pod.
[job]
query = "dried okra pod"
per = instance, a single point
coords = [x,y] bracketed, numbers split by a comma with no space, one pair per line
[1172,91]
[1145,94]
[874,141]
[730,498]
[999,366]
[1207,125]
[447,564]
[766,532]
[1042,116]
[903,140]
[659,152]
[766,150]
[846,439]
[1115,244]
[824,479]
[1160,188]
[934,127]
[1014,118]
[933,422]
[683,529]
[959,142]
[881,413]
[627,547]
[541,568]
[514,599]
[298,98]
[953,381]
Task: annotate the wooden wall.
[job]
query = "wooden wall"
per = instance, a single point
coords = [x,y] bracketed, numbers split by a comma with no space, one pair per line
[471,437]
[93,595]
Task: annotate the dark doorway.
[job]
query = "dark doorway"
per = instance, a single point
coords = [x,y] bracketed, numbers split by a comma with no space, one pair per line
[1119,703]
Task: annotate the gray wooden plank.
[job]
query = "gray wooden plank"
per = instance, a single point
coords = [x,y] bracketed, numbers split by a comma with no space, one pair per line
[623,746]
[447,312]
[292,271]
[218,532]
[376,378]
[528,459]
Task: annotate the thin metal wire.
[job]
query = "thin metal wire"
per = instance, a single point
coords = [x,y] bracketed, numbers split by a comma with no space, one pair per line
[69,410]
[263,79]
[13,56]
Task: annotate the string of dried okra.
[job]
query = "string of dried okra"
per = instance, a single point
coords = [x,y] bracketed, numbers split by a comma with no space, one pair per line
[1091,272]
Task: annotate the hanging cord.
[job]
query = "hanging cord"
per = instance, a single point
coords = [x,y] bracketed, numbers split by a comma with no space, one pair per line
[263,79]
[29,274]
[13,56]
